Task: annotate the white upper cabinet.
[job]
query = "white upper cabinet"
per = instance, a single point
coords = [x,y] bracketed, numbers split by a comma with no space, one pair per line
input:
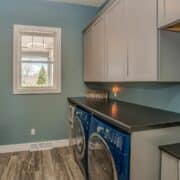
[98,50]
[94,52]
[123,43]
[88,64]
[141,29]
[168,12]
[161,13]
[116,42]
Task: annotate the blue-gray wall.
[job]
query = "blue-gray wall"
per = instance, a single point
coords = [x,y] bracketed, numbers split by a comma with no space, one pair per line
[46,113]
[162,96]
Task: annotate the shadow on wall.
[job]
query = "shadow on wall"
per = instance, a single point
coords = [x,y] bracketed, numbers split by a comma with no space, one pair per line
[158,95]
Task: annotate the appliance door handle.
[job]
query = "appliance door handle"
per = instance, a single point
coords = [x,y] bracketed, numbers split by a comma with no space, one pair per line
[127,62]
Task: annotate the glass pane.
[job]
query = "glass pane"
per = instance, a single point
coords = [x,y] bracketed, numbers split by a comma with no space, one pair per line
[38,42]
[26,41]
[37,48]
[49,42]
[100,161]
[36,75]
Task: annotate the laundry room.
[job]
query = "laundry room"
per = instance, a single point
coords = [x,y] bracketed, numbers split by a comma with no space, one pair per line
[90,90]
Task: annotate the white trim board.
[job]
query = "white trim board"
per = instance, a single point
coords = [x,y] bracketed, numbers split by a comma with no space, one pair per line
[34,146]
[95,3]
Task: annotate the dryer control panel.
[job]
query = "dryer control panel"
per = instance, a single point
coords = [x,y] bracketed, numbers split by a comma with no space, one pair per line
[115,138]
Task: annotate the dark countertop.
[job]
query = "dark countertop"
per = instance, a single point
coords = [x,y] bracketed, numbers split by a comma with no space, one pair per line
[126,116]
[172,149]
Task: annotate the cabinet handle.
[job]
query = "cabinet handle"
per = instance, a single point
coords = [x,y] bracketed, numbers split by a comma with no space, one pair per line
[164,9]
[127,62]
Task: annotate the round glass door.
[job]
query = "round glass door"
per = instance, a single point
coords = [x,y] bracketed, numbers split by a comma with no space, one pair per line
[79,138]
[101,165]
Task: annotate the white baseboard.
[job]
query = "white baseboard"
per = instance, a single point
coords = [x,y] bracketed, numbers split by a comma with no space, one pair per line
[34,146]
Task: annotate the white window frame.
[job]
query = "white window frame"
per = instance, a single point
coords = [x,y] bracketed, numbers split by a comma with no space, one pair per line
[57,82]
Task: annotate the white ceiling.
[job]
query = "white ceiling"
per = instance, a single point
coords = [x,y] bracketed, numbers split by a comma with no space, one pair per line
[95,3]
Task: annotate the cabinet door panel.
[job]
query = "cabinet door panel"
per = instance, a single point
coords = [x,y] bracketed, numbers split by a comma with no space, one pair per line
[116,42]
[169,167]
[142,40]
[98,48]
[161,13]
[172,10]
[168,12]
[88,68]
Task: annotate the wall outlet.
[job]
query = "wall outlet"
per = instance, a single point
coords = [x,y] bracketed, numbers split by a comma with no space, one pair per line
[33,132]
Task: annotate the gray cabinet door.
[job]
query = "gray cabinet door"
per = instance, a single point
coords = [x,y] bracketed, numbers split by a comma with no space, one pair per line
[172,10]
[169,11]
[116,42]
[161,13]
[98,50]
[88,65]
[169,167]
[94,52]
[141,29]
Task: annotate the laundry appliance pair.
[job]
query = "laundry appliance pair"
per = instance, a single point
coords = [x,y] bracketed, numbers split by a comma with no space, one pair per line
[101,150]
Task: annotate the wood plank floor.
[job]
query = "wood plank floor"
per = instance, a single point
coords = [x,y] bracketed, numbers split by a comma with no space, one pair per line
[56,164]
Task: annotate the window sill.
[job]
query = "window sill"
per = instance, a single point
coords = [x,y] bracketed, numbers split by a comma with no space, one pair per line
[38,92]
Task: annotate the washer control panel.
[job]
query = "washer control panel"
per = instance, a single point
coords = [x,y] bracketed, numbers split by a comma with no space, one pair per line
[83,116]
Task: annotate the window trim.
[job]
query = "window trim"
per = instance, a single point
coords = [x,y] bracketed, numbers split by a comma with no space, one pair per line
[57,88]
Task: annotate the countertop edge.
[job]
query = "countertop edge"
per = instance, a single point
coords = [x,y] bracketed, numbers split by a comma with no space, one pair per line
[121,125]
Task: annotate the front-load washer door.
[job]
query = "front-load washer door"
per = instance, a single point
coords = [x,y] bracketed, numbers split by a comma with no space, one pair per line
[79,139]
[101,164]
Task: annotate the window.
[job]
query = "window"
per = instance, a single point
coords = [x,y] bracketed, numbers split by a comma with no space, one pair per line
[37,60]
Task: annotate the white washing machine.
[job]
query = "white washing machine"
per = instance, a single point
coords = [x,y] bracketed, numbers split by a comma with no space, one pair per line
[71,113]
